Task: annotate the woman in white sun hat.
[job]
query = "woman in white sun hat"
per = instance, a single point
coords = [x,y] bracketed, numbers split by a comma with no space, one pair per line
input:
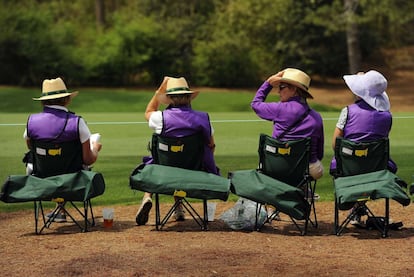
[369,118]
[177,120]
[66,125]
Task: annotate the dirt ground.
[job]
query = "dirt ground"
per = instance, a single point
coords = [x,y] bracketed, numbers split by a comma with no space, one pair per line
[182,249]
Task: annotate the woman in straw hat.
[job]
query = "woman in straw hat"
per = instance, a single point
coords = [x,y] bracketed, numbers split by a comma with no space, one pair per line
[368,118]
[177,120]
[66,125]
[292,117]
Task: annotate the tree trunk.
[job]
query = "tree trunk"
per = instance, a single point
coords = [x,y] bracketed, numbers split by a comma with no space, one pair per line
[352,40]
[100,13]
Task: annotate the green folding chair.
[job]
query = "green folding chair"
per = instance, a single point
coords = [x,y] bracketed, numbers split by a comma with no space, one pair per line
[362,175]
[58,177]
[282,180]
[178,171]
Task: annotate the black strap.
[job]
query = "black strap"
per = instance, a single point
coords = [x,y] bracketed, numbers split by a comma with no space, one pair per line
[294,124]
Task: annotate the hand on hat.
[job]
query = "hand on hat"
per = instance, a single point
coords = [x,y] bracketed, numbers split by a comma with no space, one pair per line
[275,78]
[163,87]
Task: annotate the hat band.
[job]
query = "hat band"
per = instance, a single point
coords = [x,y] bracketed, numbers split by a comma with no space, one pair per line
[178,89]
[304,86]
[54,92]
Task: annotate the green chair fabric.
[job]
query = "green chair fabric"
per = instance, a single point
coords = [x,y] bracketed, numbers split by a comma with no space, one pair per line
[55,158]
[184,152]
[369,186]
[263,189]
[78,186]
[177,171]
[361,176]
[281,180]
[286,161]
[170,180]
[360,157]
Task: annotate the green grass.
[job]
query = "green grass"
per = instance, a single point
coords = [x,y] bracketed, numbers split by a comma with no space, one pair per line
[118,115]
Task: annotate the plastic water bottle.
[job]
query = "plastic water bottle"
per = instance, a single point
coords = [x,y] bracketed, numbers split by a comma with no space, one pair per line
[241,211]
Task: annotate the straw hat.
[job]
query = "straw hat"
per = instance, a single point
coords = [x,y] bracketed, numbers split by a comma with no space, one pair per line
[371,88]
[53,89]
[297,78]
[176,86]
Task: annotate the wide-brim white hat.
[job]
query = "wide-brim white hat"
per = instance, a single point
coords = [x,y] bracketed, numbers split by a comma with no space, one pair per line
[297,78]
[371,87]
[55,88]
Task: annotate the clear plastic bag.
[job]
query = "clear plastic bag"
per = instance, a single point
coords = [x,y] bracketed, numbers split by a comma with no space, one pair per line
[242,216]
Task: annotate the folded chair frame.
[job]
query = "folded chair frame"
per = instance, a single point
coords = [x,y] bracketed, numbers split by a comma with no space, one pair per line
[61,207]
[309,184]
[383,228]
[202,221]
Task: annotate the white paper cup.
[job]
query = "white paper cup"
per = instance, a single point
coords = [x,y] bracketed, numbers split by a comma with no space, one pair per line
[108,217]
[211,210]
[95,137]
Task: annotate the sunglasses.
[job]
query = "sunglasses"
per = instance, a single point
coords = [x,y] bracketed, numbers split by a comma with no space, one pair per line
[282,87]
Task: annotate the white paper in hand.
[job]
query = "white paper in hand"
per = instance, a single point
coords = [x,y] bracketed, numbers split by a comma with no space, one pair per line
[94,138]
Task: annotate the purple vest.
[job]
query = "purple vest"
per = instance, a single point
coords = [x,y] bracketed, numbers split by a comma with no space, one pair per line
[53,124]
[284,114]
[184,121]
[364,123]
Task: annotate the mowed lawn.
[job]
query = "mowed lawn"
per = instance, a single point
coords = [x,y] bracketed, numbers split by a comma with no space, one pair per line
[118,115]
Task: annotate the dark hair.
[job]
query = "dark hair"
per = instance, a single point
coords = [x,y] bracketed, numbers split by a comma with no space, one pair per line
[302,93]
[180,99]
[57,101]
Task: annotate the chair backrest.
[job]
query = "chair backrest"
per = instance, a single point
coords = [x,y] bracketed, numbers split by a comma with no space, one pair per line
[51,158]
[286,161]
[353,158]
[184,152]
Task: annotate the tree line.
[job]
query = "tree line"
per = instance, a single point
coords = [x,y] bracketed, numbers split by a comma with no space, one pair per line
[222,43]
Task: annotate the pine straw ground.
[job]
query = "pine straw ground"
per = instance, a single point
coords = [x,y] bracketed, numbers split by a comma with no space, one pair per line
[181,249]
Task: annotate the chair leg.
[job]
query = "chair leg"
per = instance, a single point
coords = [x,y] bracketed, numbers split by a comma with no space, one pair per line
[38,207]
[383,227]
[303,230]
[387,218]
[202,221]
[162,222]
[336,217]
[194,214]
[49,221]
[205,217]
[157,212]
[91,210]
[258,226]
[85,209]
[60,207]
[315,220]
